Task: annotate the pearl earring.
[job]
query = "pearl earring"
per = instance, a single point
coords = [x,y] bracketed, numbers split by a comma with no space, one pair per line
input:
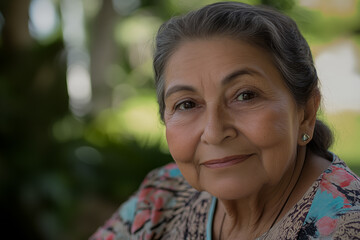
[305,137]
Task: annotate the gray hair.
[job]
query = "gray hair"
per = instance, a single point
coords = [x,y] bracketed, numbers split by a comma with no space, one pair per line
[271,30]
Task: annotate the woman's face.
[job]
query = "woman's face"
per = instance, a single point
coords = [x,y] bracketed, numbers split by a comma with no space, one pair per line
[232,126]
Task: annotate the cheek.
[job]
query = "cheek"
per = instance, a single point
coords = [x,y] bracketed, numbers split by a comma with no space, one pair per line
[182,141]
[181,145]
[274,134]
[179,141]
[273,127]
[182,137]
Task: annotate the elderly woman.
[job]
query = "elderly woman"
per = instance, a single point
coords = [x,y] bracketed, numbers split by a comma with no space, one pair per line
[238,93]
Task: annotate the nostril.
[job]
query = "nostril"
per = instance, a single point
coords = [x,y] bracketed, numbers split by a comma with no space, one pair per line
[218,134]
[217,125]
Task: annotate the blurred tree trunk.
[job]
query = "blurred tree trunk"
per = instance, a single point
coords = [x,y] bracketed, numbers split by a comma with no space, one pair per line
[32,97]
[103,52]
[16,31]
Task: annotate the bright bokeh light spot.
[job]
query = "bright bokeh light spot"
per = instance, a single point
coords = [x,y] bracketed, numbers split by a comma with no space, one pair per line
[79,88]
[73,23]
[137,29]
[139,118]
[43,19]
[78,76]
[337,70]
[137,33]
[136,119]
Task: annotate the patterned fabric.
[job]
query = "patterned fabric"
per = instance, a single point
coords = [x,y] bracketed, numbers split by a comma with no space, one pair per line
[167,207]
[335,209]
[330,209]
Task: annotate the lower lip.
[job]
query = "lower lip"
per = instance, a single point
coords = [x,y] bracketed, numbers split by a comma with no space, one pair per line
[226,163]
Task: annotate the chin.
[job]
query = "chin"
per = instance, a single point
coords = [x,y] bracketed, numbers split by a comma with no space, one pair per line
[232,189]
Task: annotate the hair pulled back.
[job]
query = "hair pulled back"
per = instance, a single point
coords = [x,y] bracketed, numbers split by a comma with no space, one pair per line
[261,26]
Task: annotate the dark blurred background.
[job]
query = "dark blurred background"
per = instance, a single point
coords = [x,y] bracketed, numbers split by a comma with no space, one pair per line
[78,117]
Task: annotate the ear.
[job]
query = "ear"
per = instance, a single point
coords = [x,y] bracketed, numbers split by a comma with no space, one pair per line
[307,123]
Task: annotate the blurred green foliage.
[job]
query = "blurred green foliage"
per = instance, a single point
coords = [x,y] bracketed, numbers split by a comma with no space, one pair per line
[61,174]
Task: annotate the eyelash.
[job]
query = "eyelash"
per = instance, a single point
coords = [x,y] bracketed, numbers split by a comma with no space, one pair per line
[193,104]
[247,92]
[178,106]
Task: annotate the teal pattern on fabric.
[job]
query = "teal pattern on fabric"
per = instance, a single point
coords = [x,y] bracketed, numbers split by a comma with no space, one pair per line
[337,194]
[128,211]
[167,207]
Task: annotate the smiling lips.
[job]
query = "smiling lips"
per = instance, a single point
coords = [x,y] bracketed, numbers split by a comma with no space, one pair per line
[225,162]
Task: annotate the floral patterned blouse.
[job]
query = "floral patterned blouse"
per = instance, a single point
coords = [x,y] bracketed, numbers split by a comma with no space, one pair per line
[167,207]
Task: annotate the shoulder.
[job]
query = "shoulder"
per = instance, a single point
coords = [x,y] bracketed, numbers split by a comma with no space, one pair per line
[339,182]
[166,175]
[335,208]
[159,207]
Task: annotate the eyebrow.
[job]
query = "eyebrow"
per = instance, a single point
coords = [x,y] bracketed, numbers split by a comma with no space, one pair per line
[228,79]
[238,73]
[178,88]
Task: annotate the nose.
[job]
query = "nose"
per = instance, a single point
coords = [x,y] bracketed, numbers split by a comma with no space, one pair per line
[218,126]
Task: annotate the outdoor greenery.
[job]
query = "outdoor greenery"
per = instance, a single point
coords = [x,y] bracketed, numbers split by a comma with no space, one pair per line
[65,168]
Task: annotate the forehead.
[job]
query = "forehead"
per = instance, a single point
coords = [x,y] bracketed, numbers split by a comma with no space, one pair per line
[216,57]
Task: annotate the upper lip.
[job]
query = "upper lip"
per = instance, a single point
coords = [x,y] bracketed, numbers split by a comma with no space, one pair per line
[226,159]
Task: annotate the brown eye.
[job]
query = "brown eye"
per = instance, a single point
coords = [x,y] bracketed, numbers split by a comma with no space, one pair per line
[185,105]
[245,96]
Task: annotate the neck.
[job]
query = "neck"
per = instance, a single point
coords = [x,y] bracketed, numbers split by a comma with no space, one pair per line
[252,217]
